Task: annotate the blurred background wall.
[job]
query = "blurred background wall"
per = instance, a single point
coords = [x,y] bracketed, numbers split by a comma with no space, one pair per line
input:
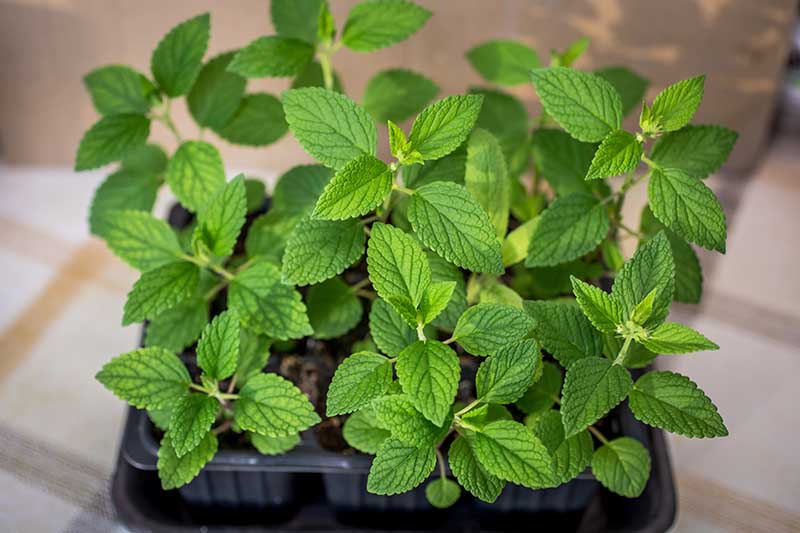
[47,45]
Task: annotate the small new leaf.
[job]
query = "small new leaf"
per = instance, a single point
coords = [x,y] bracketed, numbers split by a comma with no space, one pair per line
[221,219]
[674,107]
[673,338]
[600,307]
[218,349]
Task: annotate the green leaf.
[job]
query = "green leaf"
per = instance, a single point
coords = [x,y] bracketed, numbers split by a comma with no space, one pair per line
[444,125]
[297,190]
[161,417]
[218,349]
[148,159]
[149,378]
[442,493]
[449,168]
[179,327]
[486,178]
[117,89]
[505,117]
[644,309]
[399,467]
[448,220]
[222,217]
[574,51]
[330,126]
[333,309]
[363,432]
[571,227]
[435,301]
[511,451]
[258,121]
[253,355]
[388,329]
[441,270]
[673,402]
[592,388]
[504,62]
[505,376]
[274,445]
[110,138]
[485,328]
[397,140]
[562,160]
[674,107]
[620,152]
[429,373]
[191,419]
[697,150]
[672,338]
[585,105]
[159,290]
[571,456]
[542,395]
[356,189]
[312,77]
[217,93]
[358,380]
[177,59]
[637,357]
[177,471]
[397,414]
[688,207]
[272,406]
[296,19]
[599,307]
[141,240]
[195,173]
[630,86]
[515,246]
[622,466]
[564,331]
[396,264]
[397,94]
[122,190]
[651,267]
[404,306]
[470,474]
[265,305]
[272,57]
[374,24]
[321,249]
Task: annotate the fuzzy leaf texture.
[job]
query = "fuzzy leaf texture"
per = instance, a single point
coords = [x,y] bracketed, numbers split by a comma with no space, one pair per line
[177,59]
[396,263]
[619,153]
[444,125]
[117,89]
[358,380]
[622,466]
[672,338]
[356,189]
[333,308]
[592,388]
[510,451]
[160,289]
[564,331]
[599,307]
[147,378]
[222,218]
[399,467]
[505,376]
[398,94]
[195,173]
[218,349]
[504,62]
[396,413]
[429,373]
[190,422]
[272,406]
[471,474]
[177,471]
[110,138]
[321,249]
[374,24]
[388,329]
[674,107]
[141,240]
[272,57]
[486,178]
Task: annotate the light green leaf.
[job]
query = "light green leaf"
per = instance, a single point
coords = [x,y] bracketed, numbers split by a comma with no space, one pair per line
[447,219]
[599,307]
[396,263]
[253,355]
[674,107]
[504,62]
[399,467]
[149,378]
[258,121]
[564,331]
[486,178]
[274,445]
[441,270]
[622,466]
[374,24]
[191,419]
[470,474]
[148,159]
[697,150]
[429,373]
[451,167]
[177,59]
[217,93]
[644,309]
[266,305]
[177,471]
[485,328]
[388,329]
[272,57]
[195,173]
[122,190]
[442,493]
[574,51]
[630,86]
[516,244]
[178,327]
[505,376]
[592,388]
[272,406]
[363,432]
[356,189]
[673,402]
[435,300]
[405,308]
[297,190]
[511,451]
[296,19]
[571,227]
[570,456]
[444,125]
[542,395]
[397,414]
[562,160]
[333,308]
[222,217]
[321,249]
[397,94]
[688,207]
[494,292]
[159,290]
[397,140]
[110,138]
[620,152]
[585,105]
[117,89]
[672,338]
[330,126]
[141,240]
[218,349]
[358,380]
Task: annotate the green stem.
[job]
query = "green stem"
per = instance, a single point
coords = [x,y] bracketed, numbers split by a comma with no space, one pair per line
[214,290]
[596,433]
[360,285]
[440,458]
[632,231]
[327,67]
[623,351]
[197,387]
[649,162]
[402,189]
[166,119]
[470,406]
[420,333]
[369,295]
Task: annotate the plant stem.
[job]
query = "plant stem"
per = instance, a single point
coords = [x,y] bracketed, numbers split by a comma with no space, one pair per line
[470,406]
[214,290]
[222,428]
[440,458]
[421,333]
[360,285]
[166,119]
[327,68]
[596,433]
[630,230]
[232,384]
[623,351]
[197,387]
[402,189]
[649,162]
[369,295]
